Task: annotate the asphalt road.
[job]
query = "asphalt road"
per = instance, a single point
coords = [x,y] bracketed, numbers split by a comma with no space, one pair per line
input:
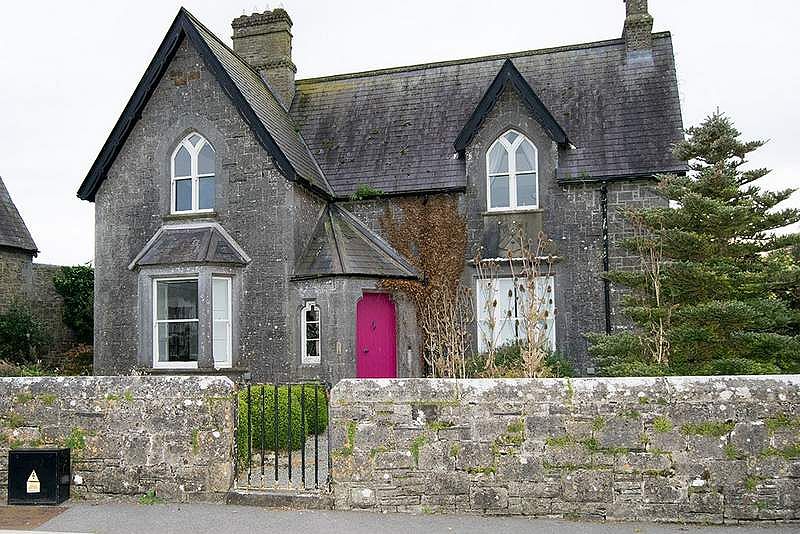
[202,518]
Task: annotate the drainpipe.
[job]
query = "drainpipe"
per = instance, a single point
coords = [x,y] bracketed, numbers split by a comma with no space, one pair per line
[606,282]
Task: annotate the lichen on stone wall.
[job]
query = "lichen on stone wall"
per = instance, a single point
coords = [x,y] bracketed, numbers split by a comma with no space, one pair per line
[701,449]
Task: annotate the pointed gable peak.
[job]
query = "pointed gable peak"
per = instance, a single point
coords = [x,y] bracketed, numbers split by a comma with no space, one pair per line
[509,76]
[253,99]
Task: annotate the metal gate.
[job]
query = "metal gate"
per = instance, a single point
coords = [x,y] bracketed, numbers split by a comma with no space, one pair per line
[282,437]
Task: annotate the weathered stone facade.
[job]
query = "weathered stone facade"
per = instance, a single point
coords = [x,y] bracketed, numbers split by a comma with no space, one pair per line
[700,449]
[129,435]
[260,209]
[569,213]
[16,276]
[290,153]
[30,284]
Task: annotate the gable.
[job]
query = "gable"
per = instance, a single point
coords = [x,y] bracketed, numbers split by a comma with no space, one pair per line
[509,77]
[252,98]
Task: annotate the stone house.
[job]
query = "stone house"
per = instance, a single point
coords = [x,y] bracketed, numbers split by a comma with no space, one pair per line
[240,213]
[25,283]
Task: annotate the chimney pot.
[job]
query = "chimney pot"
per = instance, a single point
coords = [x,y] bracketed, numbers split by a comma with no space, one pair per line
[264,41]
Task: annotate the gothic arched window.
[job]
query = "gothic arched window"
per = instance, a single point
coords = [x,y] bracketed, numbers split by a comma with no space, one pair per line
[193,165]
[512,180]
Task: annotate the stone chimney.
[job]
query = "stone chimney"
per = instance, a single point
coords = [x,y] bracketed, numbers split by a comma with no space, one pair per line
[264,40]
[638,28]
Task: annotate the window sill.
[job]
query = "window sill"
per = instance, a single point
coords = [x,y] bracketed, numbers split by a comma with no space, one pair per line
[512,212]
[197,371]
[190,216]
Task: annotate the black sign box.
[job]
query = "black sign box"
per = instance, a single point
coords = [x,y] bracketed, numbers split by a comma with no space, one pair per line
[38,476]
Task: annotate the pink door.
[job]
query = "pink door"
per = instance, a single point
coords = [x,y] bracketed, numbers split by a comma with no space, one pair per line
[375,337]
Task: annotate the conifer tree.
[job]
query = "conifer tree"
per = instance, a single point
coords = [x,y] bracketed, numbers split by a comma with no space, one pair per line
[717,291]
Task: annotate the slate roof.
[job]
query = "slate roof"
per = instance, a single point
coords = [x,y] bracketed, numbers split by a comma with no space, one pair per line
[342,246]
[205,243]
[254,100]
[395,129]
[13,232]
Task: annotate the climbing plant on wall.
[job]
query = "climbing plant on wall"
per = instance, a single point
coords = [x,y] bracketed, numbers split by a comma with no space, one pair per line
[76,285]
[432,234]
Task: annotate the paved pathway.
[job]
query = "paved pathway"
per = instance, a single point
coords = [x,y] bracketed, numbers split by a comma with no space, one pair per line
[208,518]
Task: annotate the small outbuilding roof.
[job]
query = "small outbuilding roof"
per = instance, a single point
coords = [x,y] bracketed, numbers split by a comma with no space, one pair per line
[342,246]
[13,232]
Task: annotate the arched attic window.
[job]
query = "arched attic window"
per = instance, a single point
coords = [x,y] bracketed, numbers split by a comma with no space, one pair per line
[512,173]
[193,175]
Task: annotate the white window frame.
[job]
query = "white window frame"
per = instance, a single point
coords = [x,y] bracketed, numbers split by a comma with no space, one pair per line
[157,364]
[480,312]
[194,152]
[305,359]
[228,363]
[511,150]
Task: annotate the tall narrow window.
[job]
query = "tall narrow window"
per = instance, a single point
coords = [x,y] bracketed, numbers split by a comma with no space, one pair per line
[310,333]
[193,175]
[512,173]
[221,303]
[503,308]
[175,328]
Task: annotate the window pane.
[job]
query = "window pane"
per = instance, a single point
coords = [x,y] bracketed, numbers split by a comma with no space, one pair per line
[183,162]
[177,299]
[194,139]
[312,330]
[220,299]
[312,314]
[511,136]
[498,159]
[525,157]
[205,160]
[183,195]
[505,333]
[177,342]
[526,189]
[206,200]
[221,342]
[312,348]
[498,189]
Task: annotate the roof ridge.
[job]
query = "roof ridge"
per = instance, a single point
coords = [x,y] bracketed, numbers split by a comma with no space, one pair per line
[477,59]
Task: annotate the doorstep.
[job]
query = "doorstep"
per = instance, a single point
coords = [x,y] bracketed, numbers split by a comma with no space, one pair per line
[280,499]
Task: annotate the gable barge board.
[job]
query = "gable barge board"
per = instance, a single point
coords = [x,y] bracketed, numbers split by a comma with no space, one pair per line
[184,25]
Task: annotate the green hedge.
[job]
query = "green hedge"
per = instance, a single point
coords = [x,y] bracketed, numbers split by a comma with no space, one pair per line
[263,428]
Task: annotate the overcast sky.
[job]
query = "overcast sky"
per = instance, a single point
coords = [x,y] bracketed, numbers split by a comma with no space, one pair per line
[68,68]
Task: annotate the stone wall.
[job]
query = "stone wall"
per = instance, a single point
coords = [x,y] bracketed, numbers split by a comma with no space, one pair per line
[15,276]
[706,449]
[48,307]
[129,435]
[31,284]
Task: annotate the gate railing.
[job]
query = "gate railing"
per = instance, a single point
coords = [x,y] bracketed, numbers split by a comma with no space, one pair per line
[281,439]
